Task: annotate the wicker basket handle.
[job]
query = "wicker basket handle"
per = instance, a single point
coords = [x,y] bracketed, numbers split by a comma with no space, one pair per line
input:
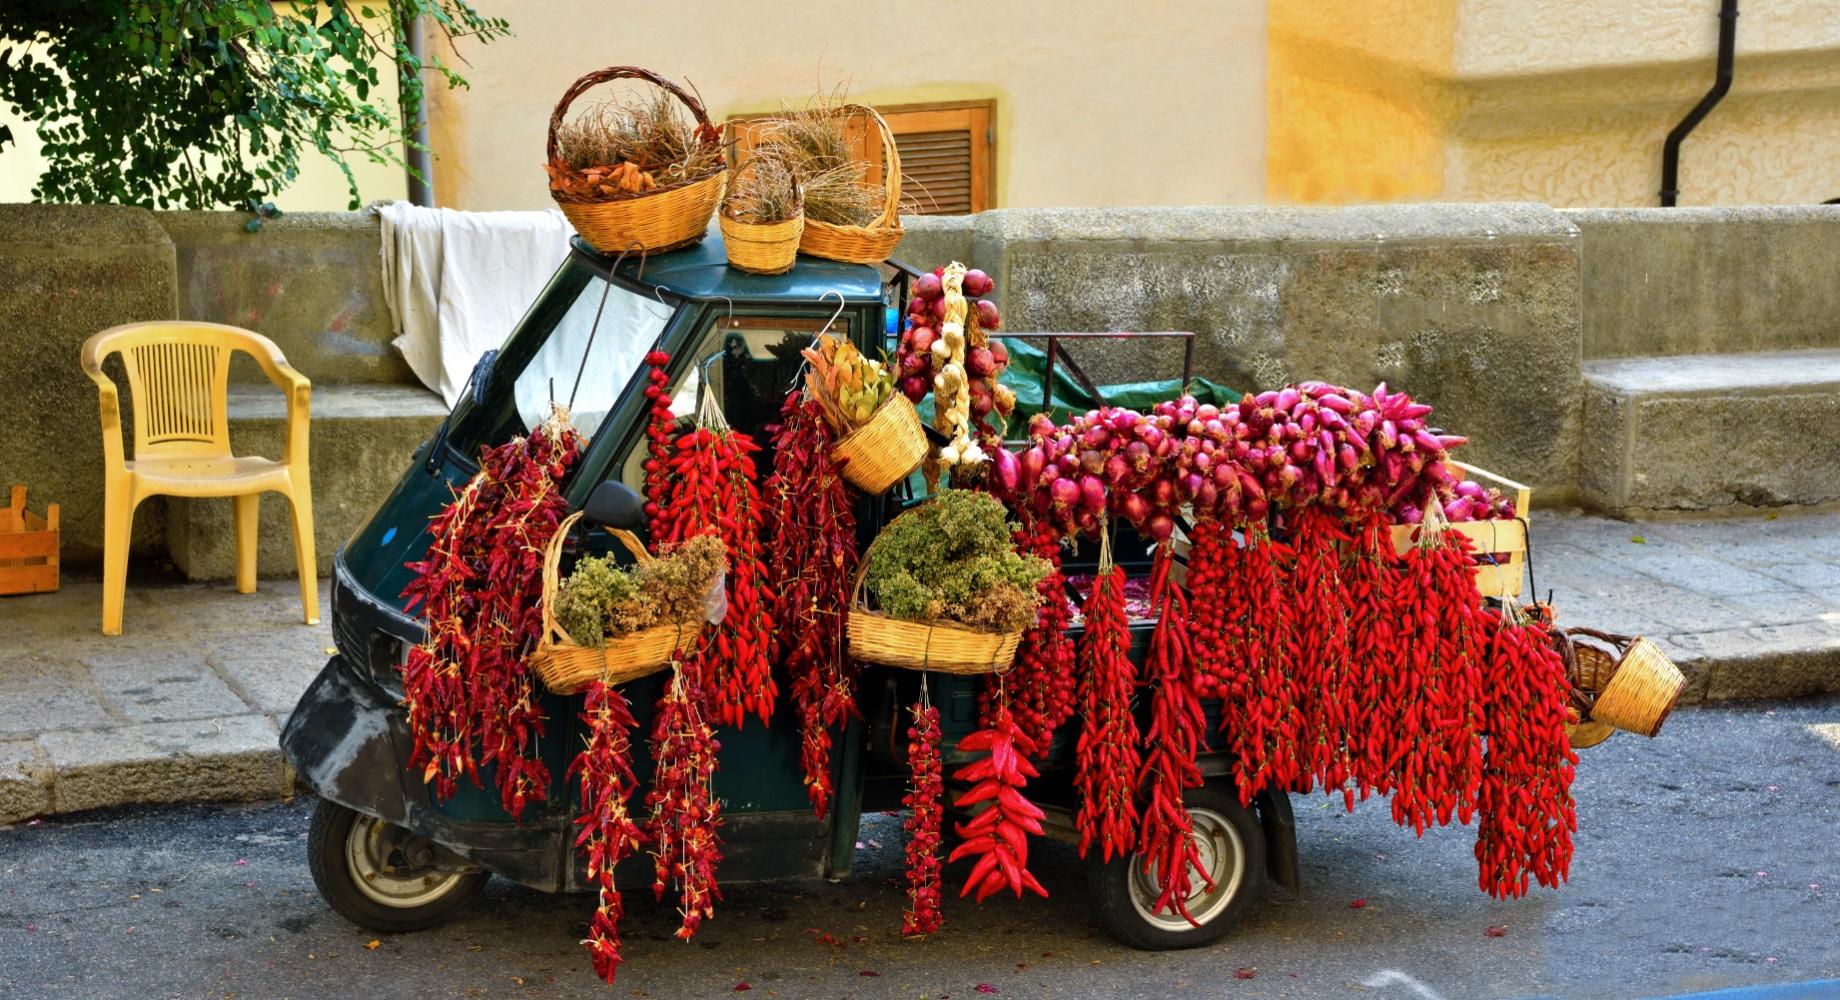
[891,172]
[552,573]
[608,75]
[1621,642]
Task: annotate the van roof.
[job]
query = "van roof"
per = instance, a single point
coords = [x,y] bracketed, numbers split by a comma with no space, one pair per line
[702,272]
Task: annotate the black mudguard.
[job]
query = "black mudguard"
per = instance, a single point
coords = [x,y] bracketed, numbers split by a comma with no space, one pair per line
[1280,825]
[348,742]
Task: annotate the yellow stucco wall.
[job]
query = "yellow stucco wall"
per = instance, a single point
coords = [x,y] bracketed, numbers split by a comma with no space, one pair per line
[1562,103]
[1097,104]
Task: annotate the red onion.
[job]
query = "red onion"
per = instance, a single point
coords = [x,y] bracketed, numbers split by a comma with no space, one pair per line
[928,286]
[987,316]
[978,283]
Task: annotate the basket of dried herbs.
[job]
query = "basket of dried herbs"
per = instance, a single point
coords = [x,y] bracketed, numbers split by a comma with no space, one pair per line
[762,216]
[852,212]
[951,592]
[635,174]
[614,624]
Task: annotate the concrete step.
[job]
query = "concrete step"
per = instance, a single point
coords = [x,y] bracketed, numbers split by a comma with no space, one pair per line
[360,440]
[1712,432]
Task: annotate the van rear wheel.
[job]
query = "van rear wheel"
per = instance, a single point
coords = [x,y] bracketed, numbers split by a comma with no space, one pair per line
[381,876]
[1232,848]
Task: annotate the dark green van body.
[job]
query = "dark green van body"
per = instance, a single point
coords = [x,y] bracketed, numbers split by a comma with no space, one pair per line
[347,737]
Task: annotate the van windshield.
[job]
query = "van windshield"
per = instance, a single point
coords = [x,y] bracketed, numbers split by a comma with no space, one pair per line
[584,338]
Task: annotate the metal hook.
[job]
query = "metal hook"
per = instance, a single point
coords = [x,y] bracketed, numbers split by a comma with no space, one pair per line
[606,287]
[841,303]
[731,307]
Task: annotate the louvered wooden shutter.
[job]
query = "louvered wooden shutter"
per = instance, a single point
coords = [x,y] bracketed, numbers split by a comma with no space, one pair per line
[946,156]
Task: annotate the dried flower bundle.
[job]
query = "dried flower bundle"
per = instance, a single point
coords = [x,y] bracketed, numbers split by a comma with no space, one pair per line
[763,190]
[814,141]
[630,145]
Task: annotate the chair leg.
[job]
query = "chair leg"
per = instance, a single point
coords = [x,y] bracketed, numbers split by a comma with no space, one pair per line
[301,501]
[248,509]
[117,529]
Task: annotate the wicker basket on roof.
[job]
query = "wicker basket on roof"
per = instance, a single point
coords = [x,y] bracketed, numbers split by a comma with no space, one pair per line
[566,666]
[761,247]
[871,243]
[666,217]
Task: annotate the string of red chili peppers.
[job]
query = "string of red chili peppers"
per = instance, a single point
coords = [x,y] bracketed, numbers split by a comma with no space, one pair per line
[923,821]
[608,832]
[1267,730]
[1373,656]
[1177,732]
[685,814]
[1326,701]
[1526,812]
[704,481]
[1212,555]
[470,700]
[811,521]
[997,836]
[1106,757]
[1040,689]
[1438,768]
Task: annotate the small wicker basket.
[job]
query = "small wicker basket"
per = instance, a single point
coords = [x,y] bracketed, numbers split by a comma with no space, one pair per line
[942,647]
[884,450]
[870,244]
[1639,690]
[565,666]
[668,217]
[762,247]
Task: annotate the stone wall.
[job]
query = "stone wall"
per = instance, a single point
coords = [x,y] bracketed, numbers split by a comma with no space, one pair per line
[1664,281]
[1474,308]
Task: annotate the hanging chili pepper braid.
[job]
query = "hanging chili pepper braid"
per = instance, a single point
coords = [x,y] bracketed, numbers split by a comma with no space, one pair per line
[1177,732]
[1437,769]
[1375,670]
[1527,814]
[1107,754]
[923,801]
[1266,735]
[705,482]
[1041,686]
[480,587]
[1321,603]
[1213,615]
[811,521]
[998,836]
[685,813]
[608,833]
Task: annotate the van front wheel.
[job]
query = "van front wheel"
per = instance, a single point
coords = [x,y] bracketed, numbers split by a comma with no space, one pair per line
[382,877]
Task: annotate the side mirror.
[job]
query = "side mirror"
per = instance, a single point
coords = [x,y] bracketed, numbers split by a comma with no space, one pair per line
[614,504]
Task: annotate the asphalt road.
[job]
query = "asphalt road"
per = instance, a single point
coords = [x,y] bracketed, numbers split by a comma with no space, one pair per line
[1707,858]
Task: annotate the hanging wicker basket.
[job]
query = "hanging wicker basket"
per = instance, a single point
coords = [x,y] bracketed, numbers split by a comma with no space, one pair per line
[667,217]
[870,244]
[886,449]
[565,666]
[762,247]
[1640,687]
[941,647]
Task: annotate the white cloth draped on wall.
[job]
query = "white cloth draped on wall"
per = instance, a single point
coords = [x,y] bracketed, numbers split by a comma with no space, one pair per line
[457,282]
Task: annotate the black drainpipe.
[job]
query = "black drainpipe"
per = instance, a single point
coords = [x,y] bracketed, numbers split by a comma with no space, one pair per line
[420,162]
[1670,150]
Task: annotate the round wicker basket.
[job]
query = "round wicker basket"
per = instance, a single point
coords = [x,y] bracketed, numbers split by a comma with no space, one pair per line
[942,647]
[761,247]
[565,666]
[885,449]
[1641,688]
[667,217]
[872,243]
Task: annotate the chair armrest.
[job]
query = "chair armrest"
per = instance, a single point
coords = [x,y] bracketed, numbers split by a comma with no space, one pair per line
[299,410]
[110,403]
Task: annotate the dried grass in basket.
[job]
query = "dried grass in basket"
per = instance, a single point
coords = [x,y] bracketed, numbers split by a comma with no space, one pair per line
[764,187]
[886,449]
[1641,688]
[940,646]
[565,666]
[667,217]
[872,241]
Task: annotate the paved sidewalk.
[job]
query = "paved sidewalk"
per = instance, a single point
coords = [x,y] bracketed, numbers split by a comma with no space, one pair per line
[186,704]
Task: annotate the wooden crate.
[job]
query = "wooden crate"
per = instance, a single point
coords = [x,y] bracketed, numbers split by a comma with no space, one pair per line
[28,548]
[1500,544]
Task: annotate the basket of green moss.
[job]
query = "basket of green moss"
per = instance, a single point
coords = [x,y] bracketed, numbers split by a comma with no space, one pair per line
[951,592]
[613,623]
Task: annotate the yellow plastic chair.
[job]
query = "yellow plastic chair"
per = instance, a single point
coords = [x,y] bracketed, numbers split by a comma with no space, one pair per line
[179,375]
